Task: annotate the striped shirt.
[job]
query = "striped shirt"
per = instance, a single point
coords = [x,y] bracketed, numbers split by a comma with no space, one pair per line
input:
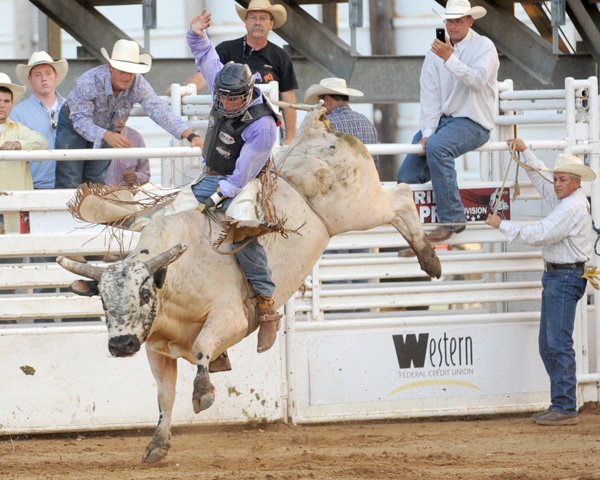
[566,234]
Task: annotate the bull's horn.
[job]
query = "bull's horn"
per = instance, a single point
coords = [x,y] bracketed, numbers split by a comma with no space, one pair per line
[80,268]
[166,258]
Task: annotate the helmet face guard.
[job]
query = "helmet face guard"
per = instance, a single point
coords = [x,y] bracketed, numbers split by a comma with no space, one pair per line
[234,83]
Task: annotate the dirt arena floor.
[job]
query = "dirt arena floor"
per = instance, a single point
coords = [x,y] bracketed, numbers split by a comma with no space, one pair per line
[500,448]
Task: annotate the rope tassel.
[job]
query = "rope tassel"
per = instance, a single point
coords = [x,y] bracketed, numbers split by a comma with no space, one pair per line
[592,275]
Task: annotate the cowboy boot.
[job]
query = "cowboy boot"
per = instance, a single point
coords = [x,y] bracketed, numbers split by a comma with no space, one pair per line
[268,321]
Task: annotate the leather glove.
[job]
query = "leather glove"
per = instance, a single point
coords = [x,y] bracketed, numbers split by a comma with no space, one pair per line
[212,202]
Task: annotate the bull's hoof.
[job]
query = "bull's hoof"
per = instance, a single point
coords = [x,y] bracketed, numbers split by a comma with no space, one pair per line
[204,391]
[156,450]
[429,261]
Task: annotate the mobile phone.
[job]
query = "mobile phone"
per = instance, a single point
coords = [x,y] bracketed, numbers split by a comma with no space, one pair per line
[440,34]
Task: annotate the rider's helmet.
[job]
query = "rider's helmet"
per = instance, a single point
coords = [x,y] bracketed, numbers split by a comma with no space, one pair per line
[235,82]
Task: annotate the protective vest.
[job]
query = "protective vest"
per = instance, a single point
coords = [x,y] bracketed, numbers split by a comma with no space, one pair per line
[223,141]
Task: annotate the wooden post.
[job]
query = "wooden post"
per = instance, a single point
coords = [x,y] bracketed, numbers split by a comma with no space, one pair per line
[383,43]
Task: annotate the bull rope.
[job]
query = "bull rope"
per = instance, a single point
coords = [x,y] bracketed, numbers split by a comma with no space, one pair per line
[516,157]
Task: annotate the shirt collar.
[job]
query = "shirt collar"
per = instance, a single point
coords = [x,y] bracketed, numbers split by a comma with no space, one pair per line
[465,40]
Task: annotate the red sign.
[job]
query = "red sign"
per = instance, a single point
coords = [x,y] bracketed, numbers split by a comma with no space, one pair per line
[478,203]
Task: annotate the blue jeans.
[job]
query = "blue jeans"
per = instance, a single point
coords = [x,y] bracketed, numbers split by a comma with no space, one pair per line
[252,258]
[454,137]
[562,290]
[71,173]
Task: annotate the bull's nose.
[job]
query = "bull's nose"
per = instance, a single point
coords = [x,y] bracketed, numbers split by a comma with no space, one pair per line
[123,345]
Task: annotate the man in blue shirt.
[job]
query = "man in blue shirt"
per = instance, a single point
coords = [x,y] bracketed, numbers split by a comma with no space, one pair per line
[336,98]
[40,111]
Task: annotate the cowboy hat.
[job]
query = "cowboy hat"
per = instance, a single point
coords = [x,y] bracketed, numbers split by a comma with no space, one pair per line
[566,163]
[461,8]
[17,90]
[329,86]
[127,58]
[42,58]
[277,11]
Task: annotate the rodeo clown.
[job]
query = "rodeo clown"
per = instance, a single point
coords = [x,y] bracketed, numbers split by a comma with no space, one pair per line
[241,134]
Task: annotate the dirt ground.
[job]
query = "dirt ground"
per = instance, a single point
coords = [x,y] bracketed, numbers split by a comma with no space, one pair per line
[502,448]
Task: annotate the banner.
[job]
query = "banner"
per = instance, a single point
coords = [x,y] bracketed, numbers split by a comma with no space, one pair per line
[478,203]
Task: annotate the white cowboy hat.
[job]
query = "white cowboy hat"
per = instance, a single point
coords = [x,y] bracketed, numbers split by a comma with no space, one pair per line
[17,90]
[329,86]
[42,58]
[126,57]
[461,8]
[277,11]
[566,163]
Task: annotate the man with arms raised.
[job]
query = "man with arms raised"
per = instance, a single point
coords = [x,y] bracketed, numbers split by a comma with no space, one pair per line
[242,130]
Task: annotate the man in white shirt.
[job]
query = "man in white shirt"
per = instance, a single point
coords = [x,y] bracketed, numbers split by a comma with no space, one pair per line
[458,85]
[566,238]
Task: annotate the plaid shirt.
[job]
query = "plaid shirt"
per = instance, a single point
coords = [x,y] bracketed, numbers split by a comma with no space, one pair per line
[347,120]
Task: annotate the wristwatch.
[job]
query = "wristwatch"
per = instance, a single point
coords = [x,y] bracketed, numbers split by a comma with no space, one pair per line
[191,136]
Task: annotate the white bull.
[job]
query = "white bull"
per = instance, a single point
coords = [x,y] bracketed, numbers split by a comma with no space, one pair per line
[199,307]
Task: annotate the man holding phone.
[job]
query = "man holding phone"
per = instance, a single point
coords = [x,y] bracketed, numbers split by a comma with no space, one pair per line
[458,86]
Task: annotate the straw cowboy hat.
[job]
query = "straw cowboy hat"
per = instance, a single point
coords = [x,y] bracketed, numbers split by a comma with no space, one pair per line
[461,8]
[277,11]
[126,57]
[329,86]
[42,58]
[566,163]
[17,90]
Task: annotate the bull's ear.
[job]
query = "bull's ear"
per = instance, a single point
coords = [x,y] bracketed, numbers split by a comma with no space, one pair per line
[87,288]
[159,277]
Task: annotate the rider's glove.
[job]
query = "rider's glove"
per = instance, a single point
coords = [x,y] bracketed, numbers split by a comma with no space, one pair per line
[213,201]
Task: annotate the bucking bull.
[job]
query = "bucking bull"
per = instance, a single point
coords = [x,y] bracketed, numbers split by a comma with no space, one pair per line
[198,308]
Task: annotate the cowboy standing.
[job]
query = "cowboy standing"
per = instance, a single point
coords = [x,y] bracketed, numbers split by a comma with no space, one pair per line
[336,99]
[565,236]
[267,61]
[40,111]
[14,175]
[458,85]
[101,97]
[242,130]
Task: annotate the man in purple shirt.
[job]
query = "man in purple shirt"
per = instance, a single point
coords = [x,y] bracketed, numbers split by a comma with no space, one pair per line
[130,171]
[101,97]
[242,129]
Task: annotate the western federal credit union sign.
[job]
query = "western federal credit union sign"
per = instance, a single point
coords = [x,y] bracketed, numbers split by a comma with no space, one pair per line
[437,366]
[478,202]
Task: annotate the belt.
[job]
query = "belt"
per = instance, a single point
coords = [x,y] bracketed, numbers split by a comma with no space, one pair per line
[564,266]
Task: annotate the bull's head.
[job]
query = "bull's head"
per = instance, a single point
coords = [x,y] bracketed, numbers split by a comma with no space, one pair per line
[129,291]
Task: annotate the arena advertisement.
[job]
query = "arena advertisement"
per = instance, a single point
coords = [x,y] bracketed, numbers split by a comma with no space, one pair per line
[478,202]
[435,362]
